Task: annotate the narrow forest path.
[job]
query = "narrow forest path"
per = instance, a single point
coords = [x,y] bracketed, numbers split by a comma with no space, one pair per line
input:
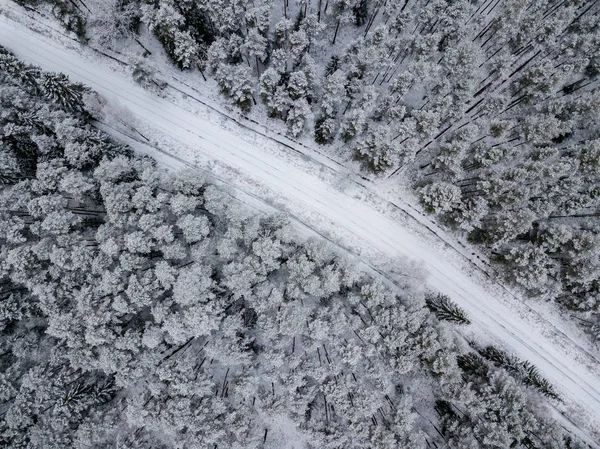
[354,216]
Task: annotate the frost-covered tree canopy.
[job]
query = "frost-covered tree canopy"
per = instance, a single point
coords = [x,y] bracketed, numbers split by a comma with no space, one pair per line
[147,309]
[489,108]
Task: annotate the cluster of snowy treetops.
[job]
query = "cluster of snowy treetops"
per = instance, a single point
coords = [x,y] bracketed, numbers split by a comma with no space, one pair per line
[151,310]
[490,107]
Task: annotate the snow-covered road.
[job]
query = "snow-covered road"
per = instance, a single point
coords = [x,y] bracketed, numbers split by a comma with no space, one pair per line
[306,189]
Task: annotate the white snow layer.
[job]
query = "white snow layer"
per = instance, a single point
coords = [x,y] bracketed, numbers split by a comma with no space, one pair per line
[354,217]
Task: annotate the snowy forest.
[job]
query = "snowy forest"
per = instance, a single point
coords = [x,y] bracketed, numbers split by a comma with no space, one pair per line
[488,108]
[141,308]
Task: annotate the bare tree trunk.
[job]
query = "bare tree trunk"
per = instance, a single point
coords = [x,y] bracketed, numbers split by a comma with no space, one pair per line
[337,27]
[201,72]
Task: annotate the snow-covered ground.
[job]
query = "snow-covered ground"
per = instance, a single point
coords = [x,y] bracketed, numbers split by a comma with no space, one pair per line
[321,194]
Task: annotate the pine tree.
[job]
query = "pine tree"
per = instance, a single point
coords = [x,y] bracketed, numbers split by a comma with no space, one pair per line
[440,197]
[59,89]
[524,370]
[446,309]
